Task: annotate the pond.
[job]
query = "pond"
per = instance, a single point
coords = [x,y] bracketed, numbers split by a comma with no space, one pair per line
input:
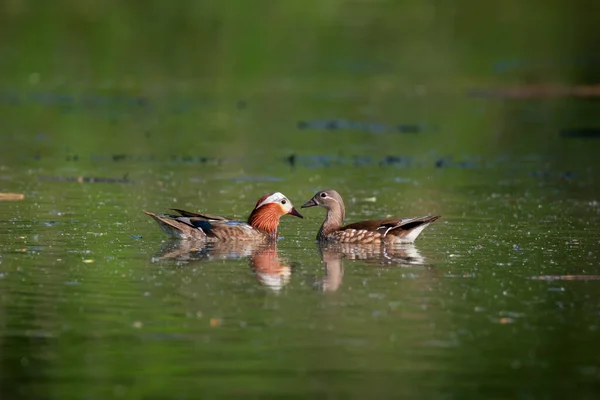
[403,109]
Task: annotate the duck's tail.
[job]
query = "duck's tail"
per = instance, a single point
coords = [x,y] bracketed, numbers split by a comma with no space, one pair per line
[177,229]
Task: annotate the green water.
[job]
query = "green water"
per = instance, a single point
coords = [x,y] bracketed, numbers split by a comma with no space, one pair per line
[109,109]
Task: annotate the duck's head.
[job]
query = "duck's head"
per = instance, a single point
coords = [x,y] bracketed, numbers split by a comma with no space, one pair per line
[329,199]
[276,203]
[269,209]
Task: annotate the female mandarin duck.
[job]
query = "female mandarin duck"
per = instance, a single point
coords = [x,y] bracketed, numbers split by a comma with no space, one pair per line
[262,223]
[391,230]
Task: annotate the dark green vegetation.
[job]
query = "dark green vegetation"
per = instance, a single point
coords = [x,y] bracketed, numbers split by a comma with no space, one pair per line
[406,108]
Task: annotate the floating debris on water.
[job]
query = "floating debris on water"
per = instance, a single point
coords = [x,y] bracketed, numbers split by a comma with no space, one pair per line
[256,179]
[465,275]
[372,127]
[68,101]
[581,133]
[11,196]
[535,91]
[400,179]
[566,277]
[85,179]
[174,158]
[399,161]
[512,64]
[372,199]
[324,161]
[506,320]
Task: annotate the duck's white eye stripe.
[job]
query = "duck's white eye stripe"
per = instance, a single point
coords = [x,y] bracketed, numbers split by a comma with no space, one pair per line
[274,198]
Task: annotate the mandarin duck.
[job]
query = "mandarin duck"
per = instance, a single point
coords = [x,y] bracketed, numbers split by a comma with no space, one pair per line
[262,223]
[390,230]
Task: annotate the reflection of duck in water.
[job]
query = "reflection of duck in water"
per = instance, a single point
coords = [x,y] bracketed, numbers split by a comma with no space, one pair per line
[400,255]
[194,250]
[333,254]
[270,270]
[334,269]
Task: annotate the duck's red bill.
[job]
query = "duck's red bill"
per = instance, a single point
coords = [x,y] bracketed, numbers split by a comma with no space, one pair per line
[295,213]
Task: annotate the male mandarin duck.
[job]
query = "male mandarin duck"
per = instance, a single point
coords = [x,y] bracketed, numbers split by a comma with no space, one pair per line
[262,223]
[390,230]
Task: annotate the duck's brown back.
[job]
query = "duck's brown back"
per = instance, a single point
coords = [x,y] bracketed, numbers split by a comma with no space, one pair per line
[376,231]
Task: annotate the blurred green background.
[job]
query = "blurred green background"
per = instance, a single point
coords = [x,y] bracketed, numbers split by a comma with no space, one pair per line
[237,76]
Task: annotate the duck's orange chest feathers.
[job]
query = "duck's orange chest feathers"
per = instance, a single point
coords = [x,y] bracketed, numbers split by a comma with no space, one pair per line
[266,218]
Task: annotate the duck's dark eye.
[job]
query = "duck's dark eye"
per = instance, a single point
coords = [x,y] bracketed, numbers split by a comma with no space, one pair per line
[323,194]
[283,201]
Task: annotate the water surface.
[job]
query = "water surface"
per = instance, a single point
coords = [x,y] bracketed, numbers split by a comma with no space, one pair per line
[406,111]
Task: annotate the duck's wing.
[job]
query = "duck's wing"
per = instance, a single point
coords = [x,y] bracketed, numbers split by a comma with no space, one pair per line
[183,227]
[388,225]
[225,230]
[406,229]
[372,226]
[210,217]
[410,228]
